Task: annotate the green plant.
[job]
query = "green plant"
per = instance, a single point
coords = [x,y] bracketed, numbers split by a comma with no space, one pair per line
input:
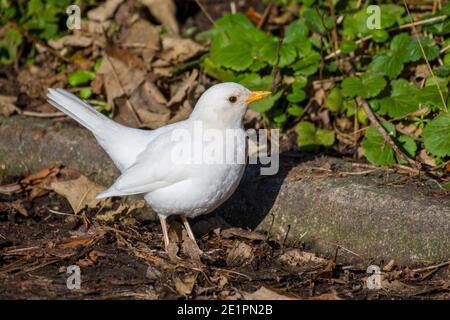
[381,71]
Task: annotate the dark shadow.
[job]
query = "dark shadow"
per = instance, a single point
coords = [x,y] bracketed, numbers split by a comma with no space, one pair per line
[253,199]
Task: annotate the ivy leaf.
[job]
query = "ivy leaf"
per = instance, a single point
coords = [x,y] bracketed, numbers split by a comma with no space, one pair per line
[376,150]
[403,99]
[366,86]
[436,136]
[308,135]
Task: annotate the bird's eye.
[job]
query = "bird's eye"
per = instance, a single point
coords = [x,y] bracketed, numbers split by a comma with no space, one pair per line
[232,99]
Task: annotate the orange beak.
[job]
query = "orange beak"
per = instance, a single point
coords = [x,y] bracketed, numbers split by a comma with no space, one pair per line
[257,95]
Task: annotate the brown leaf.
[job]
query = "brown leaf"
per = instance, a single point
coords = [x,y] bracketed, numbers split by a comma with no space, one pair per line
[264,293]
[119,78]
[7,105]
[164,11]
[73,40]
[10,188]
[426,159]
[191,249]
[142,38]
[41,175]
[242,233]
[80,192]
[104,11]
[184,283]
[186,86]
[327,296]
[73,243]
[123,210]
[240,254]
[296,257]
[178,50]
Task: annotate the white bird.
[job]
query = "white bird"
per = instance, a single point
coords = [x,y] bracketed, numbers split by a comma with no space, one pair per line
[149,162]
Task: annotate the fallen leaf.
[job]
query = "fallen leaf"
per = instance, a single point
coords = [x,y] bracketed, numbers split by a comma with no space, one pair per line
[75,40]
[8,105]
[104,11]
[190,249]
[80,192]
[242,233]
[123,210]
[186,86]
[165,12]
[119,78]
[142,38]
[177,50]
[184,283]
[10,188]
[426,159]
[264,293]
[241,254]
[327,296]
[16,206]
[296,257]
[73,243]
[41,175]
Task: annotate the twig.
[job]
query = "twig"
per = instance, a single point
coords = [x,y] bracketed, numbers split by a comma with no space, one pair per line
[405,26]
[416,35]
[387,138]
[63,213]
[43,114]
[440,265]
[202,7]
[275,69]
[265,16]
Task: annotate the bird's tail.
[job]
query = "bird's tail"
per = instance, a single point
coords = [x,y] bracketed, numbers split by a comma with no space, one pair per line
[78,110]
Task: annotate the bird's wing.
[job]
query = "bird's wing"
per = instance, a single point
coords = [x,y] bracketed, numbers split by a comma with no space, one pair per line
[156,167]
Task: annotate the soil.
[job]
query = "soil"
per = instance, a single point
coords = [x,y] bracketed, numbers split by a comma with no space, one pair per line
[125,259]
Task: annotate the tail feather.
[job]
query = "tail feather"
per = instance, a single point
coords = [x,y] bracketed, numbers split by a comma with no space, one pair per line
[77,109]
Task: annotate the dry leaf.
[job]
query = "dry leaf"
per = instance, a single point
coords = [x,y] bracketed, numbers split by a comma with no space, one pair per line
[165,12]
[327,296]
[186,86]
[75,40]
[79,192]
[178,50]
[141,38]
[241,254]
[185,283]
[10,188]
[7,105]
[426,159]
[119,78]
[242,233]
[123,210]
[190,249]
[296,257]
[264,293]
[104,11]
[37,177]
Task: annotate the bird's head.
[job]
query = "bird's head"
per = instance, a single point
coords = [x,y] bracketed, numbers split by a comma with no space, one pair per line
[226,103]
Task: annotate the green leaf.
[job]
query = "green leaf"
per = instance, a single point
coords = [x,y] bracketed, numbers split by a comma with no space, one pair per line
[403,99]
[266,104]
[295,110]
[9,45]
[366,86]
[85,93]
[348,46]
[431,50]
[268,51]
[296,32]
[315,19]
[334,100]
[80,77]
[436,136]
[298,96]
[287,55]
[237,56]
[380,36]
[308,135]
[376,150]
[409,146]
[389,65]
[254,81]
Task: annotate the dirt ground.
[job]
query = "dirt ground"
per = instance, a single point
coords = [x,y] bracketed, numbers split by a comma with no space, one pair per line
[123,259]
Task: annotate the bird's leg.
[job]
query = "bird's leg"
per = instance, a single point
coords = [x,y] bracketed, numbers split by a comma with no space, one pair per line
[165,231]
[187,226]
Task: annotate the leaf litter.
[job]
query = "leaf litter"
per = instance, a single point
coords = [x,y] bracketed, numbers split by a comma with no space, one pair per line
[43,235]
